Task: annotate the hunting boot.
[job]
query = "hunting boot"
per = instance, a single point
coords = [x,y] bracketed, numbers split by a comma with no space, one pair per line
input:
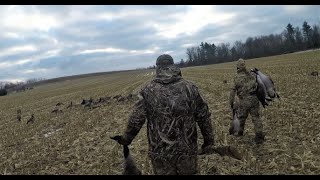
[259,139]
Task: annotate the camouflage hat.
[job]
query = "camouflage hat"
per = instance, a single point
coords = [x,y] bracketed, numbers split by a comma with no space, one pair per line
[241,64]
[164,60]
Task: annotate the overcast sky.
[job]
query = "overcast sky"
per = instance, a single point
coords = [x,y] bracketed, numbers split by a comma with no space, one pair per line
[55,41]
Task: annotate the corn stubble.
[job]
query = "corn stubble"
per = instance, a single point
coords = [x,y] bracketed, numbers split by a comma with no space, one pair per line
[77,140]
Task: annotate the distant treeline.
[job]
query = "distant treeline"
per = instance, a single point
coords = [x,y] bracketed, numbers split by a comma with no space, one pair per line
[289,41]
[6,87]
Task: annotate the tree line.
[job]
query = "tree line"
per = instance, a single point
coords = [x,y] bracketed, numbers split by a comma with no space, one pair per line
[291,39]
[6,87]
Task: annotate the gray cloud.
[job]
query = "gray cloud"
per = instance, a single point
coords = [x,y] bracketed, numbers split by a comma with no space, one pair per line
[52,41]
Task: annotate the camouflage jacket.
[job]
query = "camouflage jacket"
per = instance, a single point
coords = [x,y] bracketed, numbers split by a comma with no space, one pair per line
[172,107]
[244,85]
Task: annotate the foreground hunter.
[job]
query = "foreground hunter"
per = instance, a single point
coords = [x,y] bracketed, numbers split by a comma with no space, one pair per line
[172,107]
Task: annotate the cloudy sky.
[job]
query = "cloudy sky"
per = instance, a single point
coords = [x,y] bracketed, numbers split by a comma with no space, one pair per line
[55,41]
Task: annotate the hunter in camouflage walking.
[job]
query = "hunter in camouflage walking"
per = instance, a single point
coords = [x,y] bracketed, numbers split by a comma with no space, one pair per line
[245,87]
[172,107]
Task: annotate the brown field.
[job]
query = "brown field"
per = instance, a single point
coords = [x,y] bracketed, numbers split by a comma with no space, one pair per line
[77,140]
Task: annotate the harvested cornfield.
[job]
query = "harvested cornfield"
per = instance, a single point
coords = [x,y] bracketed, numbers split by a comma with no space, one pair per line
[76,141]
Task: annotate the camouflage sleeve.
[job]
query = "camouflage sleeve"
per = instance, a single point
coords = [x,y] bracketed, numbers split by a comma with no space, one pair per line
[203,119]
[232,94]
[136,121]
[254,75]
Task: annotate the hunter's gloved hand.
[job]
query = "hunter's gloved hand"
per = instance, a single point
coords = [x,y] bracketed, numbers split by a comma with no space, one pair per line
[120,140]
[209,149]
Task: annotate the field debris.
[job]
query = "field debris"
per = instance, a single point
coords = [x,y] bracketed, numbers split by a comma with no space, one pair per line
[77,140]
[314,73]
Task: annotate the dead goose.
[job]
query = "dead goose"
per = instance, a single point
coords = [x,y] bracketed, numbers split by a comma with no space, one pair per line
[59,104]
[267,81]
[130,167]
[262,92]
[19,114]
[70,105]
[31,120]
[235,125]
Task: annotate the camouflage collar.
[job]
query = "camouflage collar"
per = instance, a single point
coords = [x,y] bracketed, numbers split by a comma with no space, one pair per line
[242,71]
[167,74]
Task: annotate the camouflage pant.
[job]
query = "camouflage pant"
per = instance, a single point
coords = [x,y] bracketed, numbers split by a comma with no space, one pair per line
[250,105]
[174,165]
